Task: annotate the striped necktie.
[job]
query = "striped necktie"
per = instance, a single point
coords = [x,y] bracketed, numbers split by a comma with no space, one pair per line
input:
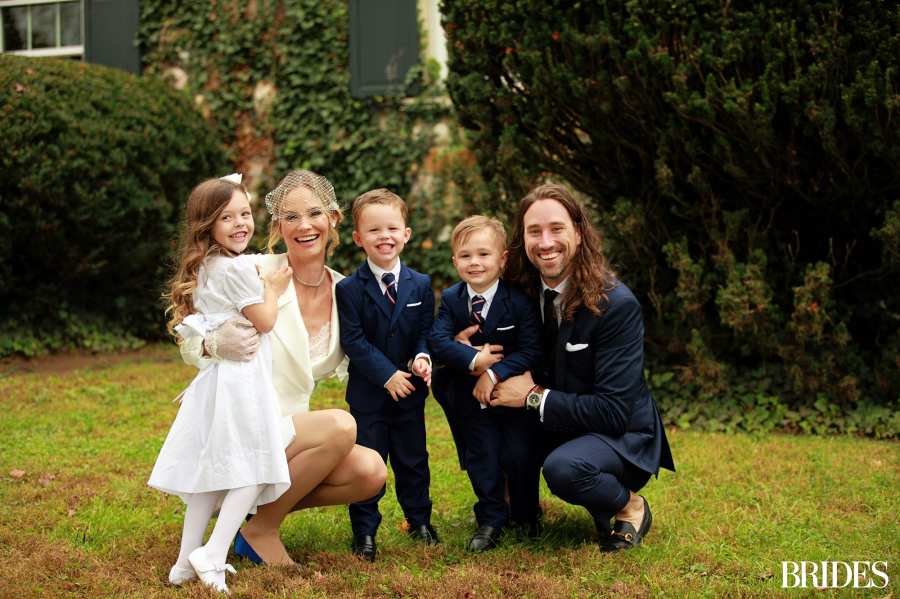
[477,306]
[390,287]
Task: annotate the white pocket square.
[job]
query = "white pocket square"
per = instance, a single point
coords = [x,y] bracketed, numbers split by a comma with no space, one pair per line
[576,347]
[512,326]
[414,304]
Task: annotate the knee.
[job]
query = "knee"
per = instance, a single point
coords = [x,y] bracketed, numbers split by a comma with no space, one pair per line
[560,473]
[343,430]
[372,471]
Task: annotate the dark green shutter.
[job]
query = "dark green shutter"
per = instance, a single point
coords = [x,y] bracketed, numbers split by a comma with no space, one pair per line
[110,28]
[384,44]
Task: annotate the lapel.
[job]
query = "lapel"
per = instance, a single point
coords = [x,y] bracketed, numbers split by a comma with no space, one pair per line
[499,309]
[367,277]
[459,306]
[566,328]
[289,327]
[404,291]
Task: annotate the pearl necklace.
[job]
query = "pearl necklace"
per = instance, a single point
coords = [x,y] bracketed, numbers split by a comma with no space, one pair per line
[313,285]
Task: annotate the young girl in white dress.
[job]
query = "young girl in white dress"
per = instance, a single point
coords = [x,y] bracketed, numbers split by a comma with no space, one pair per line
[225,449]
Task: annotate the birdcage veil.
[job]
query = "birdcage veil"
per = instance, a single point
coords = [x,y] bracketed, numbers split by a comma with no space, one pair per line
[320,186]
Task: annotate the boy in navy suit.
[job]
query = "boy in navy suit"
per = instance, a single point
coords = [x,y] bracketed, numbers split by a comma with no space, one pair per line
[386,310]
[501,445]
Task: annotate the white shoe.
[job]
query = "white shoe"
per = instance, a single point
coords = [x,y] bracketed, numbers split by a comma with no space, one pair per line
[179,575]
[211,575]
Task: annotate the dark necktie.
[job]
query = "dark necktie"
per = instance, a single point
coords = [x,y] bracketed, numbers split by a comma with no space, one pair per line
[477,307]
[390,287]
[551,329]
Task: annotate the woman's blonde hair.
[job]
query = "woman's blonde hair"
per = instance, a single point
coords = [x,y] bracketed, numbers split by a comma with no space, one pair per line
[205,204]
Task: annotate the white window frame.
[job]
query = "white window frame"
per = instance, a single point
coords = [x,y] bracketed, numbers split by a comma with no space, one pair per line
[59,51]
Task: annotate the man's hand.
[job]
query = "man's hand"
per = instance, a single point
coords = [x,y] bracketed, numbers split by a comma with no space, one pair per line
[399,386]
[483,388]
[235,340]
[421,367]
[487,357]
[464,335]
[511,392]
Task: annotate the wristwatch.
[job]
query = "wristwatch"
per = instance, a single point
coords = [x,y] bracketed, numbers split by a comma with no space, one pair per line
[533,399]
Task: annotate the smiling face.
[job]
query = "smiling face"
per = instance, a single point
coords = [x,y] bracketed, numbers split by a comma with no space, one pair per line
[479,259]
[234,227]
[381,231]
[551,240]
[304,224]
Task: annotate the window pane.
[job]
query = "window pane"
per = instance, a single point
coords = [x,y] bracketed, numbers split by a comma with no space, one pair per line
[70,23]
[15,28]
[43,26]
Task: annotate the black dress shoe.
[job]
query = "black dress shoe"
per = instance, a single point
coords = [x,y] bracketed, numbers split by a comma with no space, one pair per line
[424,533]
[624,536]
[485,538]
[364,547]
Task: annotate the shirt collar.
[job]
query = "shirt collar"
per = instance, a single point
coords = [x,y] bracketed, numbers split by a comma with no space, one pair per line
[560,289]
[378,271]
[487,294]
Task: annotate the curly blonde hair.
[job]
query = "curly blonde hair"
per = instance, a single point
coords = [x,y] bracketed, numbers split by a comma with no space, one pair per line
[205,204]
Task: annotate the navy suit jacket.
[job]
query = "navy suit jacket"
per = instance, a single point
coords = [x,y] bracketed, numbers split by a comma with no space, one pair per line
[597,385]
[512,322]
[379,338]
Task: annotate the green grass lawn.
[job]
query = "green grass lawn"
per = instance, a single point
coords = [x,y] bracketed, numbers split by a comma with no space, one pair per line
[81,521]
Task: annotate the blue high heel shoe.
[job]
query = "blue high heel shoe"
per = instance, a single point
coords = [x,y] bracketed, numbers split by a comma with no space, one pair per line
[243,549]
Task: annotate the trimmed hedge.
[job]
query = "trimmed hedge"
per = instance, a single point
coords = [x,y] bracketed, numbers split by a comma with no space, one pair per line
[97,165]
[743,162]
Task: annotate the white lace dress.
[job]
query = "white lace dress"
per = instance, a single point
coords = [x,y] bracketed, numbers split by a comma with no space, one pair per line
[227,432]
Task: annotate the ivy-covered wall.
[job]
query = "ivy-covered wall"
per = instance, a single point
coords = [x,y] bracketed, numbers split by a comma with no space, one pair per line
[273,78]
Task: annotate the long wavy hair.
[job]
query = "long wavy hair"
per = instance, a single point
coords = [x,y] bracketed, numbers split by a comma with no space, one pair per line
[591,277]
[205,204]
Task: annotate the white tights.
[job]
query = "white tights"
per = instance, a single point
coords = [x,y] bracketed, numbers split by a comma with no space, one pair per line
[200,507]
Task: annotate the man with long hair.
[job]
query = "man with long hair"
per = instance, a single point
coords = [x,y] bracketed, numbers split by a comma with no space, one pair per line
[602,430]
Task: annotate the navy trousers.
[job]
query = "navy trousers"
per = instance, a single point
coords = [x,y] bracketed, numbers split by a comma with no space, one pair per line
[503,447]
[586,471]
[399,437]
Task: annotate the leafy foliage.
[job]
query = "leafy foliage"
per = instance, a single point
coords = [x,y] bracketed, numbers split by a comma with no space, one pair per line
[742,161]
[273,78]
[96,166]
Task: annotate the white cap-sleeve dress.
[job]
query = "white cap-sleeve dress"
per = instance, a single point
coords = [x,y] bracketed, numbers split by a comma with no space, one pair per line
[227,433]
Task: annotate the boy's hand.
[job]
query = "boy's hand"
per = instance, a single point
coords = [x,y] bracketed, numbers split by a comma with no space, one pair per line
[483,388]
[422,368]
[399,386]
[487,358]
[278,280]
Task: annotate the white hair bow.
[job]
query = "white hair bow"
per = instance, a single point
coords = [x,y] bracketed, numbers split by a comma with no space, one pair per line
[235,178]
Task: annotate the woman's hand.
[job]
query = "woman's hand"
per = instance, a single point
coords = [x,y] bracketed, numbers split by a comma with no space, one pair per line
[235,340]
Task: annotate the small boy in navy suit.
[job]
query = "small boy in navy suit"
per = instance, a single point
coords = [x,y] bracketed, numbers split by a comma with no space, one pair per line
[501,445]
[386,311]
